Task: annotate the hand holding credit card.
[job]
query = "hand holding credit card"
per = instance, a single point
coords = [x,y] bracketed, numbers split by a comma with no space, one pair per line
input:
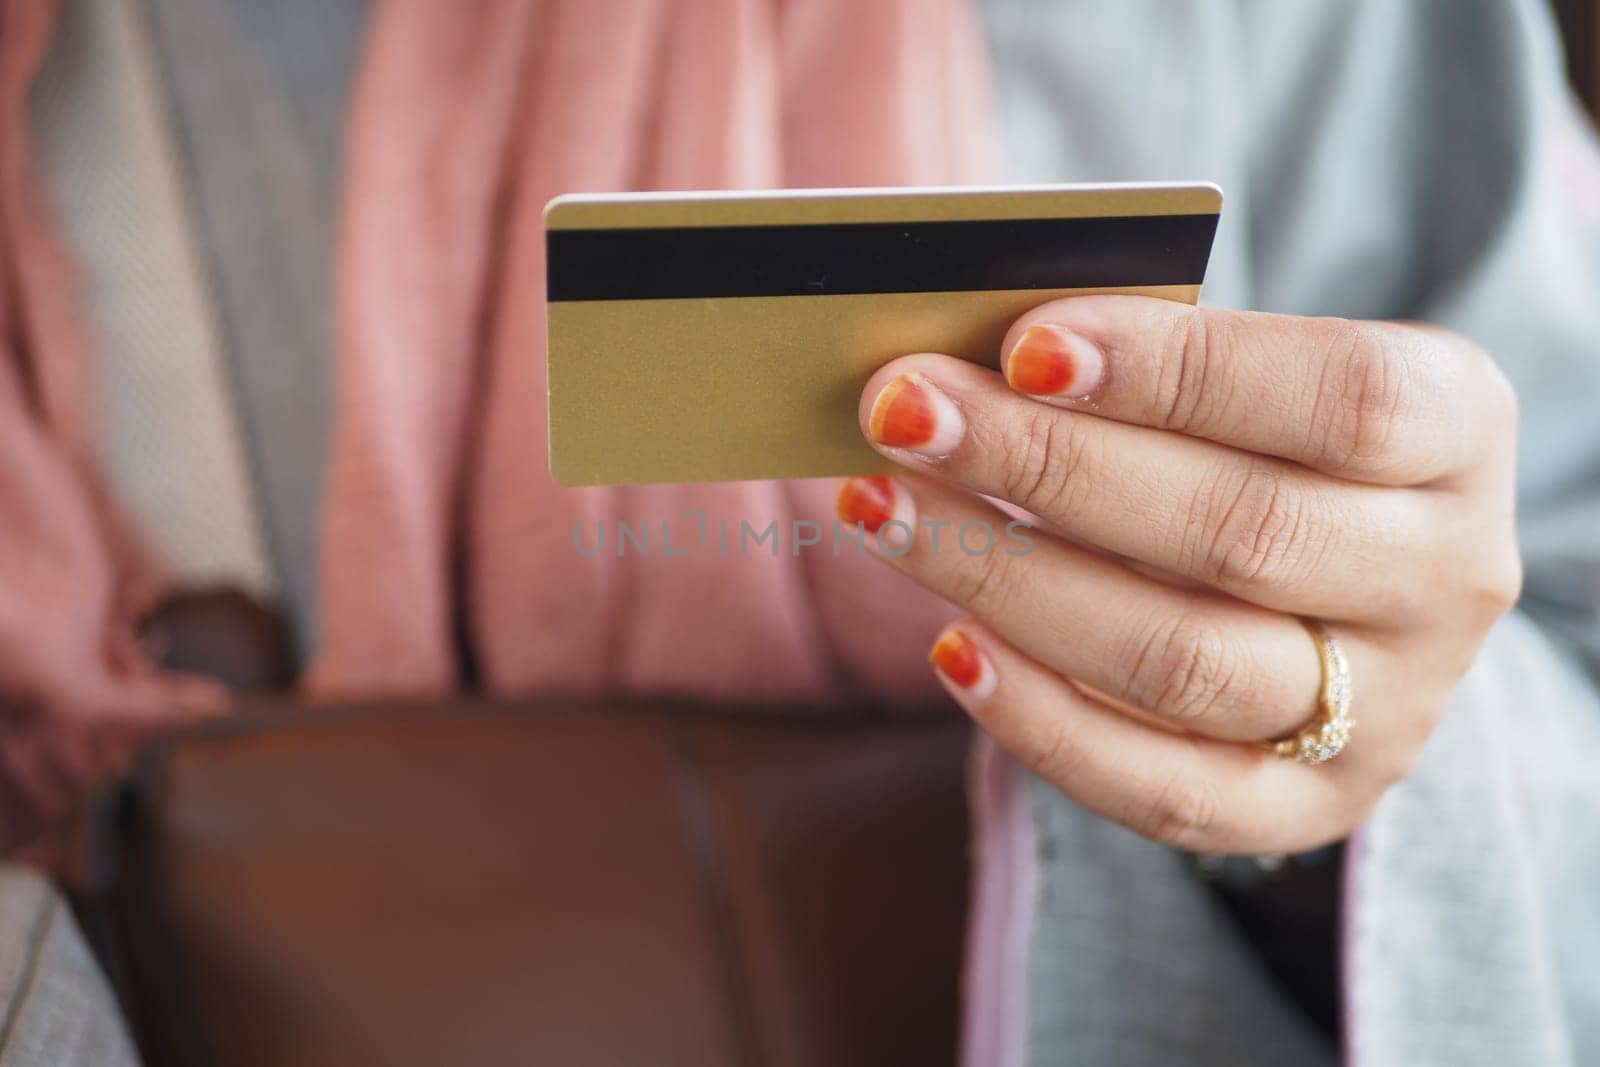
[727,336]
[1227,508]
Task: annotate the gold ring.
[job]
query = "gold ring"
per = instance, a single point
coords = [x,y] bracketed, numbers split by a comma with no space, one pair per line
[1327,734]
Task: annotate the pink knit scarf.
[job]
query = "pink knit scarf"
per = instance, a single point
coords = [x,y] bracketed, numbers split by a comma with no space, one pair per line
[441,519]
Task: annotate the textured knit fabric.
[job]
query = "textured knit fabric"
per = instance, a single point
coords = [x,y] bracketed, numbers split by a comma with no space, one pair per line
[55,1007]
[99,112]
[257,100]
[441,514]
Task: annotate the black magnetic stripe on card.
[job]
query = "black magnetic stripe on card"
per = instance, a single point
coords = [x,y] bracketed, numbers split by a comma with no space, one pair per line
[878,257]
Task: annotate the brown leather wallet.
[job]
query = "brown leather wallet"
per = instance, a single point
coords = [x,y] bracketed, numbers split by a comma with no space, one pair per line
[467,883]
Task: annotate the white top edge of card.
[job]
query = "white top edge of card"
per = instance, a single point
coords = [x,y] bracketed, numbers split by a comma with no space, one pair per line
[872,191]
[691,195]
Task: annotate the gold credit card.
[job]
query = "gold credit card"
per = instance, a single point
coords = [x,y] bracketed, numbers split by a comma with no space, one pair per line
[727,336]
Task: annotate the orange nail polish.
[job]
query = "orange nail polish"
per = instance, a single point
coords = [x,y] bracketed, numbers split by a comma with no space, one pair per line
[869,501]
[1050,361]
[910,412]
[956,656]
[882,508]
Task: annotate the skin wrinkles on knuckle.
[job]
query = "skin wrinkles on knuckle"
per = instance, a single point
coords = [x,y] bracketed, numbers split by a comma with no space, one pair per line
[1183,811]
[1255,532]
[1183,400]
[1043,464]
[1364,398]
[984,583]
[1185,669]
[1060,755]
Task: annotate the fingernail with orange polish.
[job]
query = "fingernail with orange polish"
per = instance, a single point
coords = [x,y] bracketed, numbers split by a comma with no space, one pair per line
[957,657]
[1052,361]
[881,507]
[910,412]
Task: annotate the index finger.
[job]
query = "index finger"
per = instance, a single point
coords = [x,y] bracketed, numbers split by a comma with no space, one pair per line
[1368,401]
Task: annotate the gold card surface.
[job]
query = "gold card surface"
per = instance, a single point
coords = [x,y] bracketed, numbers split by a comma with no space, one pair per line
[727,336]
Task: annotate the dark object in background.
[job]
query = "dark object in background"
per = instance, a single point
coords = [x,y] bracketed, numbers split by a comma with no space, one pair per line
[468,883]
[225,634]
[1288,908]
[1580,32]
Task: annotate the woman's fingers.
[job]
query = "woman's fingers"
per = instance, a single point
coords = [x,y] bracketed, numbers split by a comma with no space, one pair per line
[1367,401]
[1360,474]
[1191,792]
[1257,527]
[1193,659]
